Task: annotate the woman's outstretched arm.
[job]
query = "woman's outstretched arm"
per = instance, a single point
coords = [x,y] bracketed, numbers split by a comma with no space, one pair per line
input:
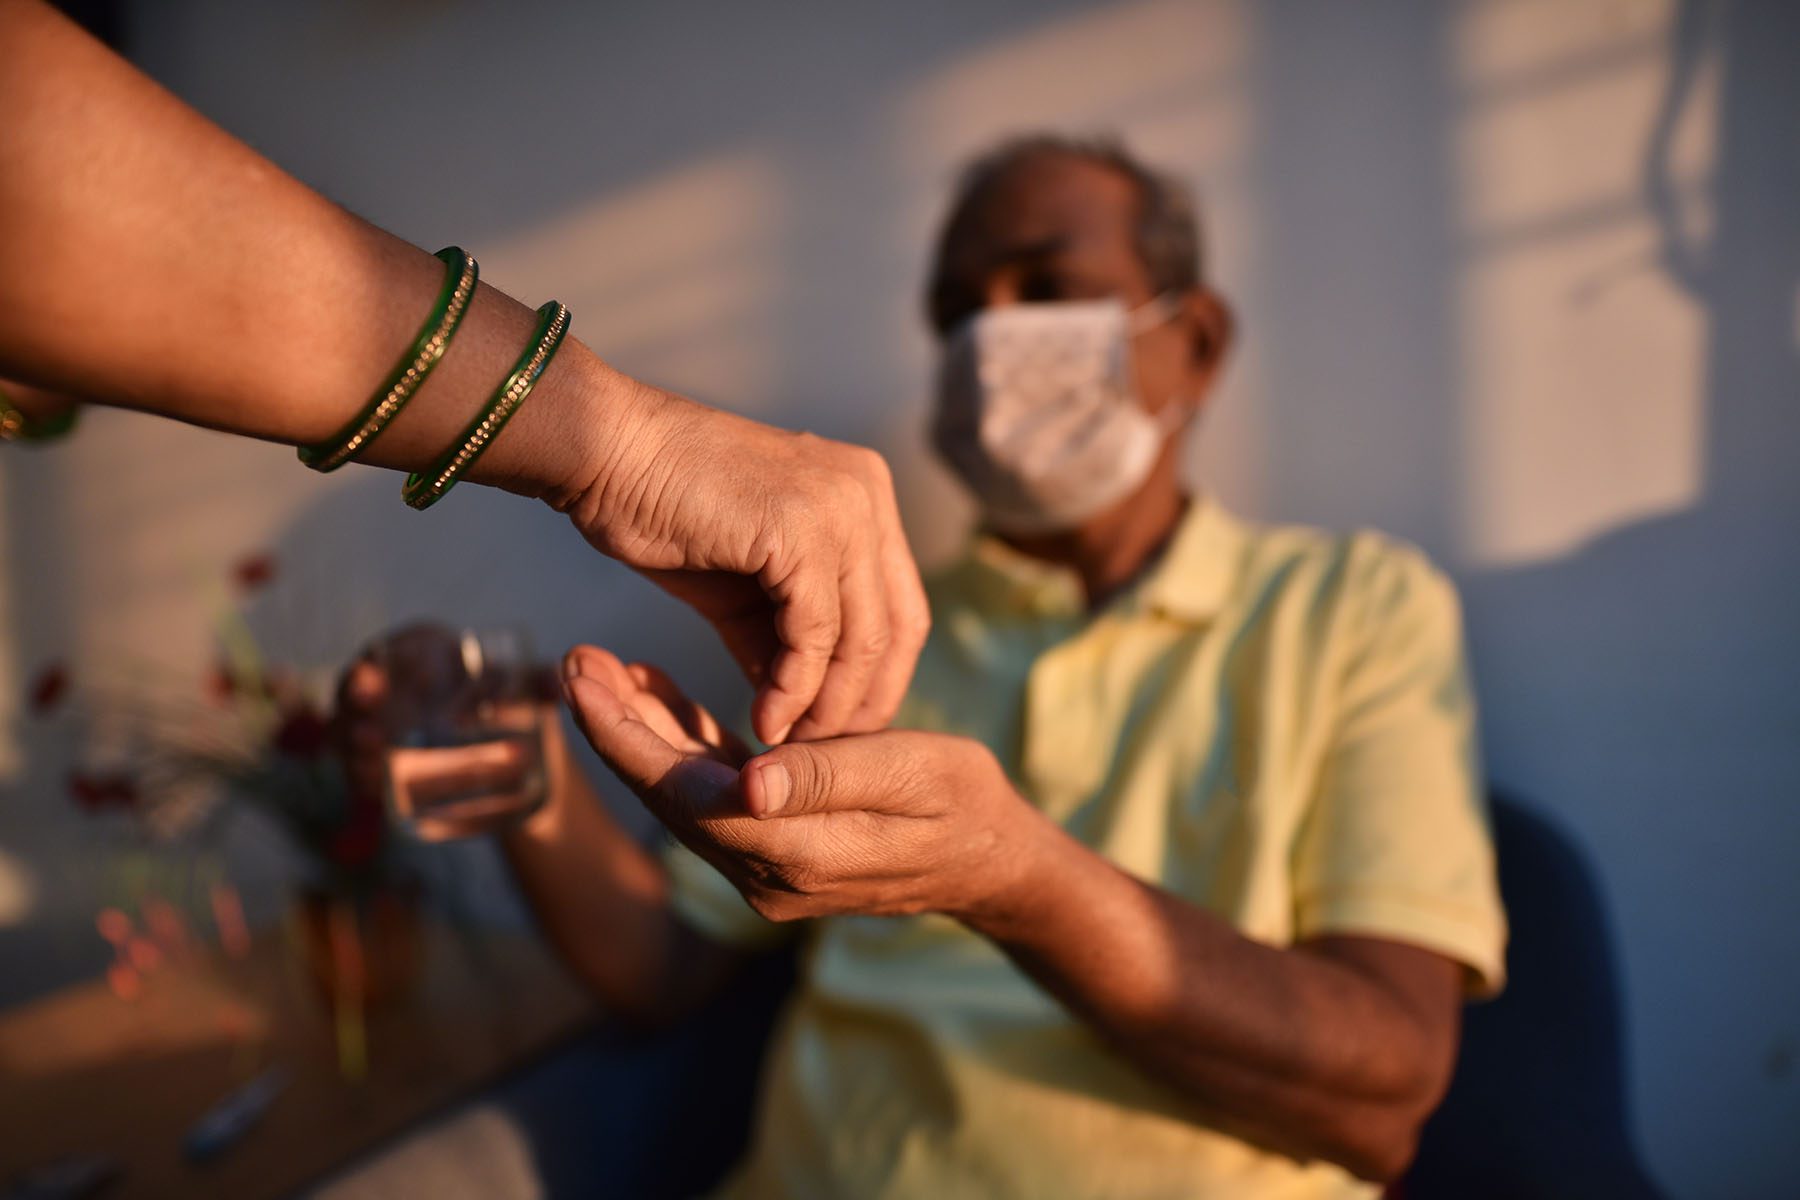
[149,259]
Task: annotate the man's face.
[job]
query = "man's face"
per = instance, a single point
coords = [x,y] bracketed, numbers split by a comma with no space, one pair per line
[1060,227]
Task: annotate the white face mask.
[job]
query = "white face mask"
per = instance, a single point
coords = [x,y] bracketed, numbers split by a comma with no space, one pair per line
[1038,411]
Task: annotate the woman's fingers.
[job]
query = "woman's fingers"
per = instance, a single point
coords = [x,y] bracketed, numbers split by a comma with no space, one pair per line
[705,502]
[883,617]
[909,617]
[862,644]
[808,620]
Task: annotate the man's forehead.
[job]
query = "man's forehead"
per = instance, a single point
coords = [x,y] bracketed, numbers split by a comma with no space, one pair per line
[1053,205]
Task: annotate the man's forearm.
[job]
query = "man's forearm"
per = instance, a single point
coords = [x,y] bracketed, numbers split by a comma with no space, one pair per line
[603,901]
[1293,1048]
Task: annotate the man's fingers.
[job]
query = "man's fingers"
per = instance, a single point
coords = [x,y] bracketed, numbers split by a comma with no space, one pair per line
[808,618]
[599,664]
[424,778]
[698,725]
[631,748]
[872,773]
[675,786]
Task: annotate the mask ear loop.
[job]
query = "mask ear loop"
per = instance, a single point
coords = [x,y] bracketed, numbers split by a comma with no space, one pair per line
[1174,415]
[1160,309]
[1157,311]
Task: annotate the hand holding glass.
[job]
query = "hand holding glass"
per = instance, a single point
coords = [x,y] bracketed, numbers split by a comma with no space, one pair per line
[467,717]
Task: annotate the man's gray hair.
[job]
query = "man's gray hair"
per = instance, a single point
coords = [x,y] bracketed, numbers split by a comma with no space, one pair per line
[1168,231]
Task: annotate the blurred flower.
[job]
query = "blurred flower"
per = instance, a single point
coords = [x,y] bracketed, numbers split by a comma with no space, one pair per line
[125,982]
[360,838]
[238,1022]
[49,688]
[254,571]
[95,791]
[166,926]
[113,925]
[228,915]
[302,733]
[278,683]
[260,738]
[221,684]
[143,954]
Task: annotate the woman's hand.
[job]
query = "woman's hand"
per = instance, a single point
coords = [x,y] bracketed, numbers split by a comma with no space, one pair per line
[152,260]
[789,544]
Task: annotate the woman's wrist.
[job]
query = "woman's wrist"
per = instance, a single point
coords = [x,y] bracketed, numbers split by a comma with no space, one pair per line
[619,458]
[574,433]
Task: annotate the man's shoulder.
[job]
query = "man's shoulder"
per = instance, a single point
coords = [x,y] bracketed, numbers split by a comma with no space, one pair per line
[1362,563]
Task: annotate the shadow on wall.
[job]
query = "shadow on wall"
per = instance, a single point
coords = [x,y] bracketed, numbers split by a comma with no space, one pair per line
[1680,680]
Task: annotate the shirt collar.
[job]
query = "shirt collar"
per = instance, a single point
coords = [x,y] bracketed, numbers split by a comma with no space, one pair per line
[1189,581]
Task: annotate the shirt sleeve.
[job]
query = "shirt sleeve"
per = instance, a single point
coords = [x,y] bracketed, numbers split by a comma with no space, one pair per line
[1396,843]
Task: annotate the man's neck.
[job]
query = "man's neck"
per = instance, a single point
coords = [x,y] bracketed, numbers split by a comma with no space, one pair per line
[1112,550]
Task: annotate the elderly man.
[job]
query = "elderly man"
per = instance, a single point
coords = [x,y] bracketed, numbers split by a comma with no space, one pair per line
[1176,876]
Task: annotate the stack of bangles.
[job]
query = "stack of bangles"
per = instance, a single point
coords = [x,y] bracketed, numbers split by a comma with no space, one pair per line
[425,488]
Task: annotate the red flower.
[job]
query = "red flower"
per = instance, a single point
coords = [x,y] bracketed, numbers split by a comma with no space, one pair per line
[303,733]
[96,791]
[48,689]
[254,571]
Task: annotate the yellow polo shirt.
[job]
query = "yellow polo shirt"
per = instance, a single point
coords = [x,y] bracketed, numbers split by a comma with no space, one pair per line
[1274,724]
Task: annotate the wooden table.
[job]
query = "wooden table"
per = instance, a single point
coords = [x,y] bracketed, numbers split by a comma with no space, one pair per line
[82,1071]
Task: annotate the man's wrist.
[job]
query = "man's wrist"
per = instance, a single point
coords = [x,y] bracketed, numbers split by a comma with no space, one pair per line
[566,786]
[1033,854]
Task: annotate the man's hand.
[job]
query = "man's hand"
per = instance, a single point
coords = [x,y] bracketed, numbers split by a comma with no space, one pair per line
[1337,1048]
[879,824]
[789,544]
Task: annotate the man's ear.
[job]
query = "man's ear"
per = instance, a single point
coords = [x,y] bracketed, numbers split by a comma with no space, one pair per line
[1212,329]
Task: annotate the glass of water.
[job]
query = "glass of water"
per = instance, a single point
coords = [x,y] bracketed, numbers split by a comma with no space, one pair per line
[466,714]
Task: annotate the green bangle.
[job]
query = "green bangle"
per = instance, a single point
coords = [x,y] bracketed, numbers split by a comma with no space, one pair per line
[423,489]
[16,425]
[460,275]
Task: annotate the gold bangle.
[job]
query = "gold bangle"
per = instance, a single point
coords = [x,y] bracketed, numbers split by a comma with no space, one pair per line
[460,277]
[423,489]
